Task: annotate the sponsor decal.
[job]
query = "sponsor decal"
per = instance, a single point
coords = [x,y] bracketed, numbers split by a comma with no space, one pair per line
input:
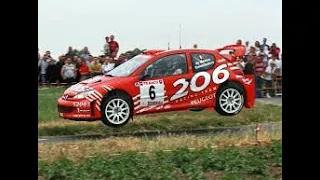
[151,92]
[81,116]
[81,104]
[83,110]
[207,79]
[202,99]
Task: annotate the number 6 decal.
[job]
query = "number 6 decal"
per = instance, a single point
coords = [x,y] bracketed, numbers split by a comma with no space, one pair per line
[193,86]
[152,94]
[220,70]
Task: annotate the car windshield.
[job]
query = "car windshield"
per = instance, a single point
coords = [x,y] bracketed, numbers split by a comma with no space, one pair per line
[128,67]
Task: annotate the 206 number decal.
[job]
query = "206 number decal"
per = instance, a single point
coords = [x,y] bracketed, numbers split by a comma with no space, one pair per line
[193,85]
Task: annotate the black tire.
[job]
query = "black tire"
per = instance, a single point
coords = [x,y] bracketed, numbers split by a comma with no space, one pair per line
[113,98]
[222,93]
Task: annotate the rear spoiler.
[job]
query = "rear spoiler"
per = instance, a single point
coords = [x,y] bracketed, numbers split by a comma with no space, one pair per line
[238,51]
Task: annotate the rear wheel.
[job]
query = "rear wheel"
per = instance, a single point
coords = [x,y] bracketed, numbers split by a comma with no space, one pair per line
[116,110]
[230,99]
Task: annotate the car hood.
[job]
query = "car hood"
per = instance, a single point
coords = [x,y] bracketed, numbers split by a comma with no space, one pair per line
[90,84]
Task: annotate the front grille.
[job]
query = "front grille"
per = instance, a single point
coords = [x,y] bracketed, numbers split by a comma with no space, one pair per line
[63,109]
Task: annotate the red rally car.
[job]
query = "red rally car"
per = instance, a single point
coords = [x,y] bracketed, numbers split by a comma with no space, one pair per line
[161,81]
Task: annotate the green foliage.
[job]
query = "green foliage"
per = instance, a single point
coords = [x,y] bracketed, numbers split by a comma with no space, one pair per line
[234,164]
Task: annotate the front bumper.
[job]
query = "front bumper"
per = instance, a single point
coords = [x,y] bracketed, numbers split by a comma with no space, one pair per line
[80,110]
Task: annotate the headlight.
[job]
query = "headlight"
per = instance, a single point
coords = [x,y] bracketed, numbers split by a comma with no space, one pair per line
[83,94]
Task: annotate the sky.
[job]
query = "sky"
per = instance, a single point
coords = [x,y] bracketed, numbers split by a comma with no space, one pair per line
[149,24]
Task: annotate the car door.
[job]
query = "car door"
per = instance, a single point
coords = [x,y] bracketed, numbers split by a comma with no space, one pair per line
[202,89]
[161,86]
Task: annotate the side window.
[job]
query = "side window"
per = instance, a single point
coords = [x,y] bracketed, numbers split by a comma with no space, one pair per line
[202,61]
[167,66]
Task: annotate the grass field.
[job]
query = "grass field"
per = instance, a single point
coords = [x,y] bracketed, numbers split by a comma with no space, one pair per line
[51,124]
[84,161]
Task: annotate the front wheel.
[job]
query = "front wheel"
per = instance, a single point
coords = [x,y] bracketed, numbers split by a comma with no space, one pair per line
[116,111]
[230,99]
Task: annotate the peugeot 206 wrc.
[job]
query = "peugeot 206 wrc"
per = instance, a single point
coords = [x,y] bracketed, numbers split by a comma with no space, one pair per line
[161,81]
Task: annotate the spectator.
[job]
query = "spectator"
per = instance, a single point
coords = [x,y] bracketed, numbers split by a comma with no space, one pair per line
[77,65]
[240,63]
[70,53]
[257,46]
[108,65]
[43,64]
[247,47]
[276,61]
[239,42]
[114,47]
[74,59]
[85,54]
[264,46]
[259,69]
[51,71]
[269,76]
[195,46]
[84,71]
[106,47]
[249,66]
[274,50]
[95,67]
[68,71]
[59,65]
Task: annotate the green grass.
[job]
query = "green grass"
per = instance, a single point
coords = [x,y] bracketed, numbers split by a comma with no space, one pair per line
[47,103]
[50,124]
[254,162]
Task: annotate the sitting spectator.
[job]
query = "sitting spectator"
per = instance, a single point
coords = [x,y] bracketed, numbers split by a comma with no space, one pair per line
[108,65]
[68,71]
[269,76]
[51,71]
[43,64]
[95,67]
[84,71]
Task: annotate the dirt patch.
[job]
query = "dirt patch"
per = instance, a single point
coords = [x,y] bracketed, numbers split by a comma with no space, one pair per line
[213,175]
[276,172]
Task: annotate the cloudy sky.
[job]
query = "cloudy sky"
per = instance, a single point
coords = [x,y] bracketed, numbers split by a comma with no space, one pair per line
[153,23]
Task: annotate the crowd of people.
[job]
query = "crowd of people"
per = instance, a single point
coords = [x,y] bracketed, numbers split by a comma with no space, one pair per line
[265,62]
[261,59]
[76,66]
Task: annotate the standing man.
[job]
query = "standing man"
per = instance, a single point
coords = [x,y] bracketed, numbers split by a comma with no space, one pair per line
[114,47]
[106,47]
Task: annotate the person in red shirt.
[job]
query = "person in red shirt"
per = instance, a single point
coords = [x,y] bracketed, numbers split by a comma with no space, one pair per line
[259,69]
[274,50]
[113,46]
[84,71]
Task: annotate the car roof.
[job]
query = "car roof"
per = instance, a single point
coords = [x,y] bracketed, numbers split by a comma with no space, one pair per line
[155,52]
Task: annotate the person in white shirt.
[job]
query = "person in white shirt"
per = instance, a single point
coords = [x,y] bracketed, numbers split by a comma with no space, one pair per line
[269,75]
[276,61]
[108,65]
